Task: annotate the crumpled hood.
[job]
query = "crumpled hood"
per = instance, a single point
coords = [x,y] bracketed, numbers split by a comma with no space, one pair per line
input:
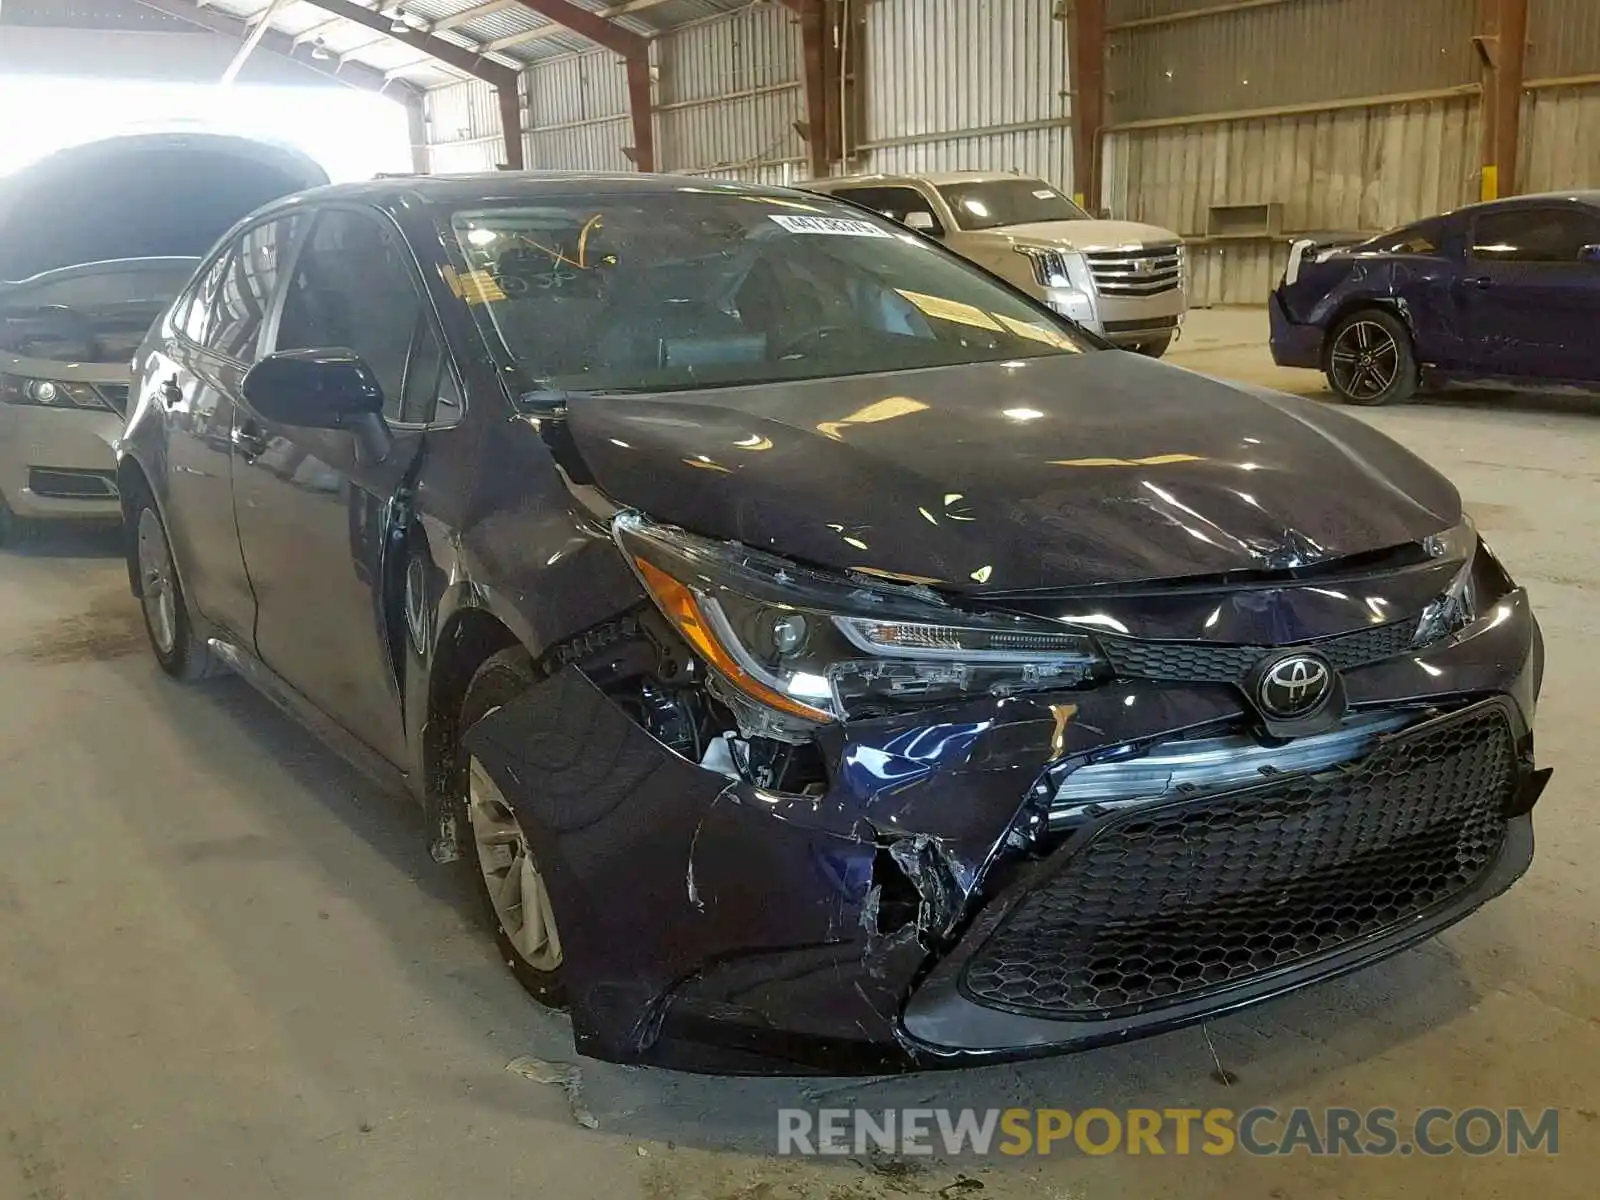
[1086,235]
[1063,471]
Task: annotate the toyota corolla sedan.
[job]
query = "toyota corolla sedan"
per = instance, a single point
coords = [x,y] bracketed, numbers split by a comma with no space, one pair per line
[814,653]
[1505,294]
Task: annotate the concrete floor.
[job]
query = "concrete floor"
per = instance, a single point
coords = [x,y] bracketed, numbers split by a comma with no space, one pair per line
[227,967]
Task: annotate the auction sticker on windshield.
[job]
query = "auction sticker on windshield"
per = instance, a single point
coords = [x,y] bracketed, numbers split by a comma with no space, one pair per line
[837,225]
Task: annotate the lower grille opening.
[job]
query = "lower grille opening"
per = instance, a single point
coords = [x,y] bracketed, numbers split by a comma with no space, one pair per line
[72,485]
[1143,325]
[1164,904]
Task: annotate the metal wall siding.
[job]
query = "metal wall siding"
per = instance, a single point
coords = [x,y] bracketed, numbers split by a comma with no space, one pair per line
[463,123]
[1349,170]
[729,95]
[1563,38]
[1559,149]
[578,87]
[941,75]
[1293,53]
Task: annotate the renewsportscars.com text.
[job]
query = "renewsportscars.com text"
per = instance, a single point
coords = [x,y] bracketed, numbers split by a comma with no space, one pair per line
[1260,1131]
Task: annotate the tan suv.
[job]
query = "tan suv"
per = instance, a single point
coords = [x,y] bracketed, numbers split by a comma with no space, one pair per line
[1123,280]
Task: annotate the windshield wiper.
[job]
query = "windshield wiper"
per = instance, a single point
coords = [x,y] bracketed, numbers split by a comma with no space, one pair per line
[553,402]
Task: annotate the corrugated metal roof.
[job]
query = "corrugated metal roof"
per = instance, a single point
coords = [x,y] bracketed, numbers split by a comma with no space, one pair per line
[514,33]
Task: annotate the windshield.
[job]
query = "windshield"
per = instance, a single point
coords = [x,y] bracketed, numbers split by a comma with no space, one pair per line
[706,288]
[1008,202]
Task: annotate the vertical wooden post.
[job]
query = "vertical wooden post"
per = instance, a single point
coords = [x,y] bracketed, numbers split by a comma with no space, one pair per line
[1502,43]
[1087,42]
[642,110]
[511,124]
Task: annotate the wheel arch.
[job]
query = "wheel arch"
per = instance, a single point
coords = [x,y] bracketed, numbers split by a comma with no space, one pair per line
[468,637]
[1392,306]
[132,481]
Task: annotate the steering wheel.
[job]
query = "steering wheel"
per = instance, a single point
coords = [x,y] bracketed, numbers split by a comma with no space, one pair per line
[794,346]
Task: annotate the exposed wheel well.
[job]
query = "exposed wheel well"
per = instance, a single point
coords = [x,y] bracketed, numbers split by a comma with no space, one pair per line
[472,636]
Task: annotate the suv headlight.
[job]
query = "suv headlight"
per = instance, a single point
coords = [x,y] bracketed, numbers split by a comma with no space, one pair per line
[806,646]
[1459,604]
[50,393]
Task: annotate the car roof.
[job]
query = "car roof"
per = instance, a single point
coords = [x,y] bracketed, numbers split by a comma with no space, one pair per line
[1587,198]
[937,179]
[514,187]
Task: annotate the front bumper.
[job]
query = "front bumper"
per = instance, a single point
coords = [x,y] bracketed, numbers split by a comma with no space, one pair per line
[1122,320]
[61,462]
[726,928]
[1292,344]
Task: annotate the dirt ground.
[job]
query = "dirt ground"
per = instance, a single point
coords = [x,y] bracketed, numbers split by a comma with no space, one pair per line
[228,967]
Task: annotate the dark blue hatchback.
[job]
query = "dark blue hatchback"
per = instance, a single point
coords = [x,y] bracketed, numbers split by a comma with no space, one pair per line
[1504,293]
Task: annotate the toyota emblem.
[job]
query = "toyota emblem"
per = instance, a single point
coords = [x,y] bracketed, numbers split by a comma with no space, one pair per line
[1294,686]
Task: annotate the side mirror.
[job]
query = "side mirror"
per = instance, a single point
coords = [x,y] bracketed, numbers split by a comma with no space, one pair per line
[1103,214]
[1589,254]
[922,222]
[321,389]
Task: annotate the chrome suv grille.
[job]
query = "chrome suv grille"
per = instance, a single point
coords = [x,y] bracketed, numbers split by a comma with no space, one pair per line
[1144,271]
[1169,902]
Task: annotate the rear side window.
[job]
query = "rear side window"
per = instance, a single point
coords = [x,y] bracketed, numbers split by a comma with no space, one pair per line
[352,287]
[1535,235]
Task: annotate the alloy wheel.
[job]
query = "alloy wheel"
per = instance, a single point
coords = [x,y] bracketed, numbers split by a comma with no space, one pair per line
[1365,360]
[512,879]
[156,582]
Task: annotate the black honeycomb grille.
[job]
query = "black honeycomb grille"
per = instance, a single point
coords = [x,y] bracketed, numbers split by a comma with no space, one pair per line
[1160,905]
[1196,662]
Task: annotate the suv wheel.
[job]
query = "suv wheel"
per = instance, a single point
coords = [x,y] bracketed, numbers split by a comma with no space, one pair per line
[1369,359]
[498,863]
[180,652]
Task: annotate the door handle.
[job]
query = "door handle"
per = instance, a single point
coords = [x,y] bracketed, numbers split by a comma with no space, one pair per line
[171,392]
[1481,282]
[248,442]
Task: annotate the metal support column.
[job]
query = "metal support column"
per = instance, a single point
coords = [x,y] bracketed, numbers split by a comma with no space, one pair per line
[1086,35]
[1502,43]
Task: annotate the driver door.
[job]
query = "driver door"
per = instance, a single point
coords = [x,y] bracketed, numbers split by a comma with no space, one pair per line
[314,518]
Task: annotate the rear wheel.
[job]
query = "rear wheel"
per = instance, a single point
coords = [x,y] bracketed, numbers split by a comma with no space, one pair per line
[179,650]
[1369,359]
[499,865]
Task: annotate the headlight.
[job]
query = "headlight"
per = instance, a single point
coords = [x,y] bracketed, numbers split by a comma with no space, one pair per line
[1458,606]
[50,393]
[788,644]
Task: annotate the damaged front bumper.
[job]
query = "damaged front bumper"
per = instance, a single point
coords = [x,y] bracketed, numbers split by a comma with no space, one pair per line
[925,909]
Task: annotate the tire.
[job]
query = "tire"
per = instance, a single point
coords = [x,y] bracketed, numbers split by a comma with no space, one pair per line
[1369,359]
[1155,348]
[179,649]
[533,954]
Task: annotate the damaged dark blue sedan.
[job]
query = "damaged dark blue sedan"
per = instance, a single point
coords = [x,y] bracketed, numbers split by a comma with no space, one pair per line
[815,654]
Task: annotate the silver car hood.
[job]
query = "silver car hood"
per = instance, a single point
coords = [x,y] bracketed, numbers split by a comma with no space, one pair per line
[1082,235]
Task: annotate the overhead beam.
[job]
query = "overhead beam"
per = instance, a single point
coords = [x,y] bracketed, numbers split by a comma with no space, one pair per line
[634,49]
[1086,39]
[273,41]
[591,25]
[544,31]
[501,77]
[1502,44]
[259,24]
[462,59]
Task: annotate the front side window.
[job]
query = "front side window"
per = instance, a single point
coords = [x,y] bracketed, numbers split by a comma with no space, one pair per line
[1534,235]
[352,287]
[1001,202]
[201,312]
[702,288]
[246,287]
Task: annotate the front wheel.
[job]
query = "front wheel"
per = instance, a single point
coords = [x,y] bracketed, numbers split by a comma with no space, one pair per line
[500,867]
[178,648]
[1369,359]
